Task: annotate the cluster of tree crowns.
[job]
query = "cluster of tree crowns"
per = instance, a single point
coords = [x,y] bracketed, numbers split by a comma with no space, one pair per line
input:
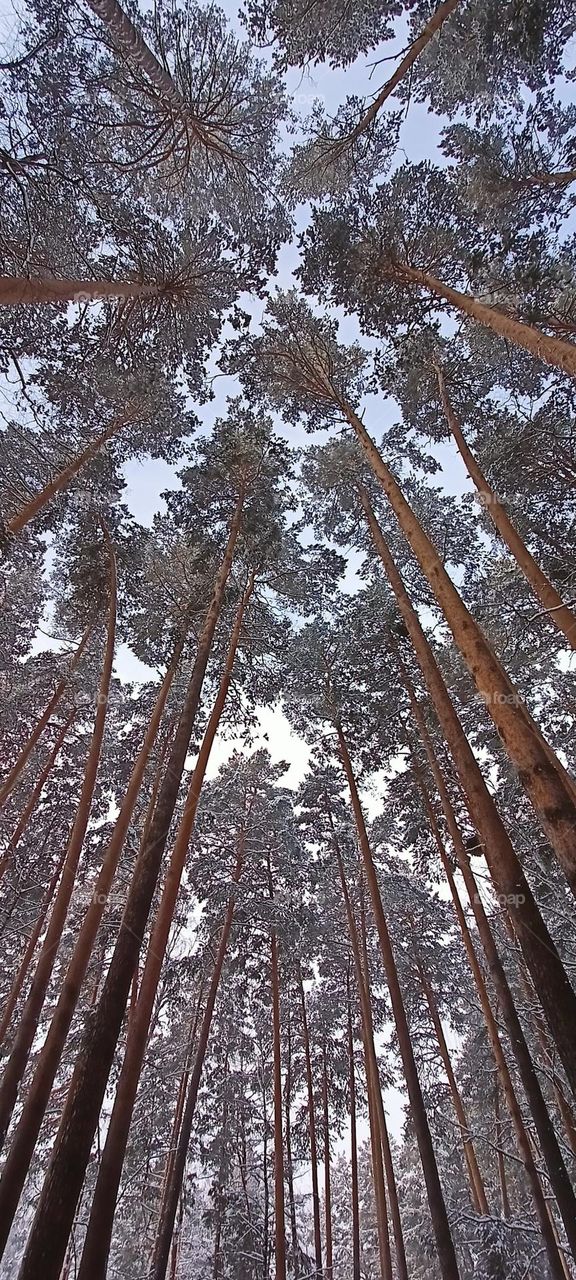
[213,983]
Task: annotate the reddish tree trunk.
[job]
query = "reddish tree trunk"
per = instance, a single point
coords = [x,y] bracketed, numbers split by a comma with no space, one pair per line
[289,1161]
[71,1152]
[327,1185]
[16,291]
[62,480]
[31,803]
[353,1144]
[553,351]
[26,1134]
[279,1222]
[26,960]
[541,775]
[35,1002]
[477,1188]
[552,602]
[311,1130]
[99,1234]
[440,1224]
[8,786]
[555,992]
[559,1179]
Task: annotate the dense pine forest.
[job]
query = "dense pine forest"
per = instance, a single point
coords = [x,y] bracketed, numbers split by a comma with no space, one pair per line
[288,612]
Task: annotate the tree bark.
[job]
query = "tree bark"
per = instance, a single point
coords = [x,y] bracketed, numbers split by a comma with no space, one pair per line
[279,1223]
[18,767]
[553,351]
[35,1002]
[289,1161]
[554,989]
[550,599]
[34,797]
[96,1247]
[312,1130]
[329,1269]
[444,1243]
[62,480]
[477,1188]
[545,783]
[502,1180]
[16,291]
[557,1172]
[353,1144]
[174,1187]
[26,960]
[28,1128]
[341,145]
[71,1152]
[375,1102]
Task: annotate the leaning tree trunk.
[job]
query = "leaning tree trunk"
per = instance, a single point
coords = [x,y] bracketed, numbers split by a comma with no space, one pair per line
[16,291]
[502,1180]
[341,145]
[477,1187]
[71,1152]
[18,1059]
[31,803]
[557,612]
[545,783]
[354,1190]
[38,1096]
[26,961]
[129,40]
[20,764]
[557,1172]
[441,1227]
[64,477]
[99,1234]
[327,1184]
[553,351]
[555,991]
[311,1129]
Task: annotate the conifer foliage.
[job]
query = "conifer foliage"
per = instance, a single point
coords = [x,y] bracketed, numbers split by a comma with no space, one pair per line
[288,621]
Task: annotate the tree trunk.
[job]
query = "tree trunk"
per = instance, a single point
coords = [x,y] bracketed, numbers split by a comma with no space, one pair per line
[557,1172]
[379,1139]
[18,290]
[26,960]
[28,1128]
[353,1144]
[312,1130]
[553,351]
[555,991]
[544,781]
[440,1224]
[550,599]
[17,768]
[174,1187]
[327,1185]
[341,145]
[504,1198]
[279,1224]
[62,480]
[34,797]
[35,1002]
[475,1177]
[99,1234]
[128,39]
[55,1212]
[289,1161]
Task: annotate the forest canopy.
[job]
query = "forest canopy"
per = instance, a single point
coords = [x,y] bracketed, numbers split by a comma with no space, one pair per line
[288,617]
